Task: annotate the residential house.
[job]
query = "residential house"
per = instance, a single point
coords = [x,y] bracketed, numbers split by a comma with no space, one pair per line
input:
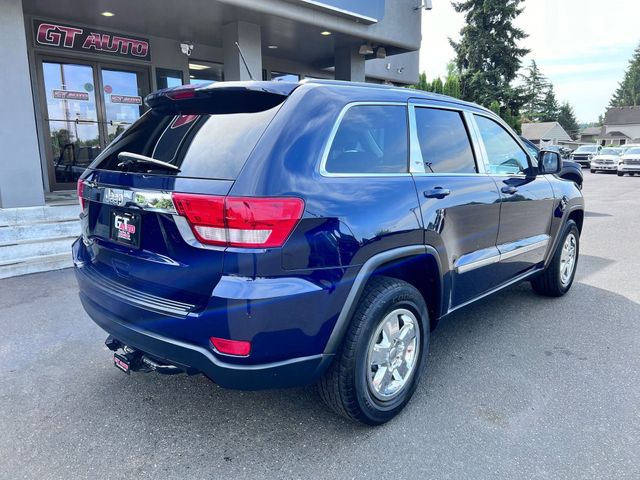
[621,126]
[546,133]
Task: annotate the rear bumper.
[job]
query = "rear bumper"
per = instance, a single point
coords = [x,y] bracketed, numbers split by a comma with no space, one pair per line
[286,373]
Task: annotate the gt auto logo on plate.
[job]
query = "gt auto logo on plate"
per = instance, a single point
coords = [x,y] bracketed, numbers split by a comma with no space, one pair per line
[124,228]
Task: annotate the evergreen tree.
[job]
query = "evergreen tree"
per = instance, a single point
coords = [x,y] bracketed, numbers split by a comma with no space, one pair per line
[437,86]
[422,82]
[567,118]
[487,55]
[628,91]
[550,110]
[535,91]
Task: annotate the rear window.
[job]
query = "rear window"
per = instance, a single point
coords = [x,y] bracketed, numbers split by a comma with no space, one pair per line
[202,146]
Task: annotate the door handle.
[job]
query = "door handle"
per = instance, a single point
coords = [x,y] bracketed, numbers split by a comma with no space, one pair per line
[437,192]
[509,189]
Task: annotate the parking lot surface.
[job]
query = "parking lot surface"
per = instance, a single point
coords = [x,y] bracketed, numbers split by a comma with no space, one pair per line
[517,386]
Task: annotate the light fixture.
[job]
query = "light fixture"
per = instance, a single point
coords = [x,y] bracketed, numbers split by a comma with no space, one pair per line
[197,66]
[326,33]
[107,14]
[365,49]
[381,52]
[272,47]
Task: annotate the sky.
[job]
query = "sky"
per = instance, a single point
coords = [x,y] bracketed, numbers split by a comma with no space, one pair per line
[582,46]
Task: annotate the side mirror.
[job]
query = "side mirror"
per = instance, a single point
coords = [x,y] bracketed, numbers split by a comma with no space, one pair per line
[549,161]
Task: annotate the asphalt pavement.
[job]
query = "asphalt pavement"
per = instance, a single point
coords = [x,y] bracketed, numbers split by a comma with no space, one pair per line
[517,387]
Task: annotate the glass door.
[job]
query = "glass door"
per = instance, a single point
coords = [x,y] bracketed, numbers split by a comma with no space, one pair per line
[86,106]
[123,94]
[72,119]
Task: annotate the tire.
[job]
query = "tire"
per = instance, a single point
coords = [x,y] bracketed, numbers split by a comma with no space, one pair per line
[349,385]
[592,171]
[554,280]
[631,174]
[620,174]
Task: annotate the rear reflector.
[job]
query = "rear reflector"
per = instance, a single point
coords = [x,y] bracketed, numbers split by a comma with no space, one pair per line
[231,347]
[250,222]
[80,191]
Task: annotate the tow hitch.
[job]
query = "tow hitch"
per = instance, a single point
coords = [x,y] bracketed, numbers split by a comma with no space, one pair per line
[130,359]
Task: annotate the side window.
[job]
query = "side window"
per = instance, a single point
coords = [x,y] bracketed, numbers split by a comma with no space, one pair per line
[444,141]
[370,139]
[506,157]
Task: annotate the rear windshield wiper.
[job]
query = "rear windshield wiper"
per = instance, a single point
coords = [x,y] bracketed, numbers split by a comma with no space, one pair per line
[129,158]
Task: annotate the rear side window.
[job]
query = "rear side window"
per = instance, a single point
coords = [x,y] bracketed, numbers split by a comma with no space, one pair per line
[370,139]
[202,146]
[444,141]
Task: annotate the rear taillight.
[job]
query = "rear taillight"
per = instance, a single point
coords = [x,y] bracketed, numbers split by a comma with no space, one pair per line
[80,191]
[251,222]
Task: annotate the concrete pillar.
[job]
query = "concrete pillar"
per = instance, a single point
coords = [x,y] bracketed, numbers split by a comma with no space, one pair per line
[20,169]
[248,37]
[349,64]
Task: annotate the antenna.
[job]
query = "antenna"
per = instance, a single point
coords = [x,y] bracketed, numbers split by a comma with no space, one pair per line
[244,61]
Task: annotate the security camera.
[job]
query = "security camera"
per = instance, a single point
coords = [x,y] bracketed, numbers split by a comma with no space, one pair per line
[186,48]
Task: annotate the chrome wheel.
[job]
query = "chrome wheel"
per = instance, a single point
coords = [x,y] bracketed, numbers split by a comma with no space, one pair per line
[393,354]
[568,259]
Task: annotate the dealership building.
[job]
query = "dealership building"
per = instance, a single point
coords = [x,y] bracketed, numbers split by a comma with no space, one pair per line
[75,74]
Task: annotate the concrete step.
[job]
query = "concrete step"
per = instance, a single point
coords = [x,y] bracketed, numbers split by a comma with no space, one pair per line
[15,252]
[43,214]
[36,264]
[38,232]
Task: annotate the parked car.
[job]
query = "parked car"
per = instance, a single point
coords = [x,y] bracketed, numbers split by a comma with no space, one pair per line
[629,162]
[585,153]
[571,171]
[606,160]
[624,148]
[270,234]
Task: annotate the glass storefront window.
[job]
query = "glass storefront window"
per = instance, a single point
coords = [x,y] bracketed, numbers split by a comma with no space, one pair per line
[167,78]
[205,72]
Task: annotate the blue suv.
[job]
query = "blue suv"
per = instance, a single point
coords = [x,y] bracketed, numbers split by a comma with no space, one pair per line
[269,234]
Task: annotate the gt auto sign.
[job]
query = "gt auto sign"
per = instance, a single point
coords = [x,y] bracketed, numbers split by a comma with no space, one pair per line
[83,39]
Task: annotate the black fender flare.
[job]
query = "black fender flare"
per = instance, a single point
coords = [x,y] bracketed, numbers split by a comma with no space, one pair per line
[367,269]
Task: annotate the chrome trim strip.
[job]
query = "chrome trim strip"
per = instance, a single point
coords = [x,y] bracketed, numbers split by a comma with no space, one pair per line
[477,264]
[334,131]
[147,200]
[524,249]
[507,251]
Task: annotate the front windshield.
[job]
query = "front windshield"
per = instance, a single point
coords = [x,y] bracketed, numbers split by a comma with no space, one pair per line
[633,151]
[587,149]
[609,151]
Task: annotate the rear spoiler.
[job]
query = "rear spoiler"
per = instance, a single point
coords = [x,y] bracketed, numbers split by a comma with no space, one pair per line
[220,97]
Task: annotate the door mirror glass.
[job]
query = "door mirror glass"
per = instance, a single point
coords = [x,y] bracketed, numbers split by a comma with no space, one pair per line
[549,162]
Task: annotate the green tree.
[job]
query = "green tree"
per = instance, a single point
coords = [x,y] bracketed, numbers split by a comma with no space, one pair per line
[437,86]
[535,89]
[549,109]
[628,91]
[487,55]
[567,118]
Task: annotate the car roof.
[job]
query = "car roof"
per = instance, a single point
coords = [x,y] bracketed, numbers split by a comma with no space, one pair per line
[403,93]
